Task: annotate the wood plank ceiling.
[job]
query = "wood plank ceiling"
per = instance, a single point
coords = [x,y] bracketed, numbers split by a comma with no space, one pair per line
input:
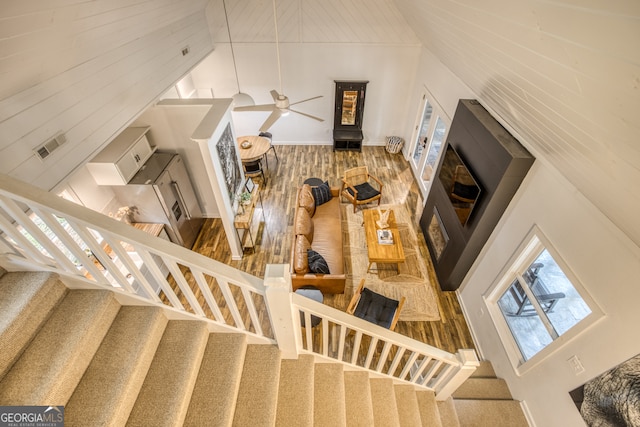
[563,74]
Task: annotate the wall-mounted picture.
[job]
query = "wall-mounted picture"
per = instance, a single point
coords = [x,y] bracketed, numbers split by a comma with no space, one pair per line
[613,398]
[227,153]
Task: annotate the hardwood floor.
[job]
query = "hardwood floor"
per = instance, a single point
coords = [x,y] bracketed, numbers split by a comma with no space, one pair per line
[272,233]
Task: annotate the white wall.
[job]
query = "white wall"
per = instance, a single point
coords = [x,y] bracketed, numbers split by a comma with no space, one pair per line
[604,259]
[86,68]
[309,70]
[563,72]
[171,130]
[100,198]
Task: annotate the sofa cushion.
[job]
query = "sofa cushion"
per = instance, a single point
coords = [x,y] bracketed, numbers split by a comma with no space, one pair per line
[303,224]
[317,264]
[321,193]
[327,238]
[300,257]
[306,199]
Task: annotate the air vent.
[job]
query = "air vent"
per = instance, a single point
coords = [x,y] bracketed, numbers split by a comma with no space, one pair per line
[50,146]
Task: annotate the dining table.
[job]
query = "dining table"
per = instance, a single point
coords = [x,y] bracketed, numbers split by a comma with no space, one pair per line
[252,147]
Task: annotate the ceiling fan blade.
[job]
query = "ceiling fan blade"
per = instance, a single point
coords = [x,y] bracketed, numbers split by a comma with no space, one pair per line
[308,115]
[305,100]
[261,107]
[274,94]
[271,120]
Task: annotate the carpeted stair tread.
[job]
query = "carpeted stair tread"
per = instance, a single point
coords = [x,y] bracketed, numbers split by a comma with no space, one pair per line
[429,414]
[358,404]
[383,398]
[483,388]
[295,392]
[27,299]
[485,370]
[258,393]
[109,388]
[221,369]
[55,361]
[166,391]
[407,402]
[490,413]
[329,396]
[448,414]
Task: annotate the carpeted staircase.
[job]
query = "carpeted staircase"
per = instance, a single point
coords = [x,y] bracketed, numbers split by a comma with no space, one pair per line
[113,365]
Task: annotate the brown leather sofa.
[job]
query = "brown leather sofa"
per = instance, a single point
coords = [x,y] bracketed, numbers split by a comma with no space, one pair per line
[318,228]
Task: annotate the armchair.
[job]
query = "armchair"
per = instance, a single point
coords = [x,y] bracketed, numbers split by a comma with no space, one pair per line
[375,308]
[357,188]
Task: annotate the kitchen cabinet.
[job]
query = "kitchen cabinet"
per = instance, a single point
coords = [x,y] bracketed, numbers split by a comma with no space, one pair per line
[122,158]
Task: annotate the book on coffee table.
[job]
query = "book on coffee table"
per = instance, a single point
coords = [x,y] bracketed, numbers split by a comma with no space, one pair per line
[385,237]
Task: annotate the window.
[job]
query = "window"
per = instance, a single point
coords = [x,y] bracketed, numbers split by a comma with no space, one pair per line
[537,301]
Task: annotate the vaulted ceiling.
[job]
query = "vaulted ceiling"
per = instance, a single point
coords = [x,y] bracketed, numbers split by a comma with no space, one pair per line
[562,74]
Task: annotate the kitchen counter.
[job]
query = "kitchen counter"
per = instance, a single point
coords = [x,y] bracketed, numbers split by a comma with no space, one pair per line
[153,229]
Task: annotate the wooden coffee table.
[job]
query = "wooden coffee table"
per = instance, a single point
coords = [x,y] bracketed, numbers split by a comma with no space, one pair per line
[390,254]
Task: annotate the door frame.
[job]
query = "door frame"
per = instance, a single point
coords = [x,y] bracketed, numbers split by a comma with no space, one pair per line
[437,111]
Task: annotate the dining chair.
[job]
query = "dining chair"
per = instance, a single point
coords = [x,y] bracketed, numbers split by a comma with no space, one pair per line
[253,169]
[269,136]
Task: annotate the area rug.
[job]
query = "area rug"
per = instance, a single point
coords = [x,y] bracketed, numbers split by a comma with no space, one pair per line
[412,282]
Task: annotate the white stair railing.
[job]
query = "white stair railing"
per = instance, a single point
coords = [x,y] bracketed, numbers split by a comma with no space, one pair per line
[42,230]
[344,338]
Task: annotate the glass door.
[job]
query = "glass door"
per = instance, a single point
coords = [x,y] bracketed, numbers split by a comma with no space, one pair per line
[421,138]
[431,130]
[433,152]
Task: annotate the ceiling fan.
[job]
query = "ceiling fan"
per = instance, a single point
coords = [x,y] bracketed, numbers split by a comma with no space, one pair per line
[281,106]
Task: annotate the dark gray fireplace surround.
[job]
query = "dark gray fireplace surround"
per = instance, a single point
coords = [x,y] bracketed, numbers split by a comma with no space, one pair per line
[498,163]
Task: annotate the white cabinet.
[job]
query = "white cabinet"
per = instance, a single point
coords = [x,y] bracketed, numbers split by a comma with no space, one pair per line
[122,158]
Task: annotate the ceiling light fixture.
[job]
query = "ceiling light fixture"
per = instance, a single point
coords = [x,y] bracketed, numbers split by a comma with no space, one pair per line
[240,99]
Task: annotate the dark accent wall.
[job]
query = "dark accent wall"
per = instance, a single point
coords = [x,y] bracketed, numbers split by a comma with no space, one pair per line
[499,163]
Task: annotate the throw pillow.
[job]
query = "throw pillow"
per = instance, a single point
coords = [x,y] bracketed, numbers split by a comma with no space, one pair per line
[306,200]
[317,264]
[322,193]
[303,224]
[300,257]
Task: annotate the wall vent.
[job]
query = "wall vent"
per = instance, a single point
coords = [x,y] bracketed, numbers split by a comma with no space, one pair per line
[50,146]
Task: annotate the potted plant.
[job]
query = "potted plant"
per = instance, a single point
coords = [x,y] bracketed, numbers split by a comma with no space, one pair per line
[244,199]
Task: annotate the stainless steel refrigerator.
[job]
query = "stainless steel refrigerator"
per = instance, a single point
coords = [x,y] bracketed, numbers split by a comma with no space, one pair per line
[162,192]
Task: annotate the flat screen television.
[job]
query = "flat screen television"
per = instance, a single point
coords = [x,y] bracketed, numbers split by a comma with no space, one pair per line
[459,183]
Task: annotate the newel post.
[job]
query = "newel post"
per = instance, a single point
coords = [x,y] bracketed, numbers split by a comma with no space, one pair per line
[468,364]
[277,280]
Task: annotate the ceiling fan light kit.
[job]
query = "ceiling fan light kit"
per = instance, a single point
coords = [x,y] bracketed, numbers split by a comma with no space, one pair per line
[281,105]
[241,99]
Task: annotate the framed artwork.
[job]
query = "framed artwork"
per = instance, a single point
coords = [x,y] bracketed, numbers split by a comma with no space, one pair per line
[612,398]
[228,156]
